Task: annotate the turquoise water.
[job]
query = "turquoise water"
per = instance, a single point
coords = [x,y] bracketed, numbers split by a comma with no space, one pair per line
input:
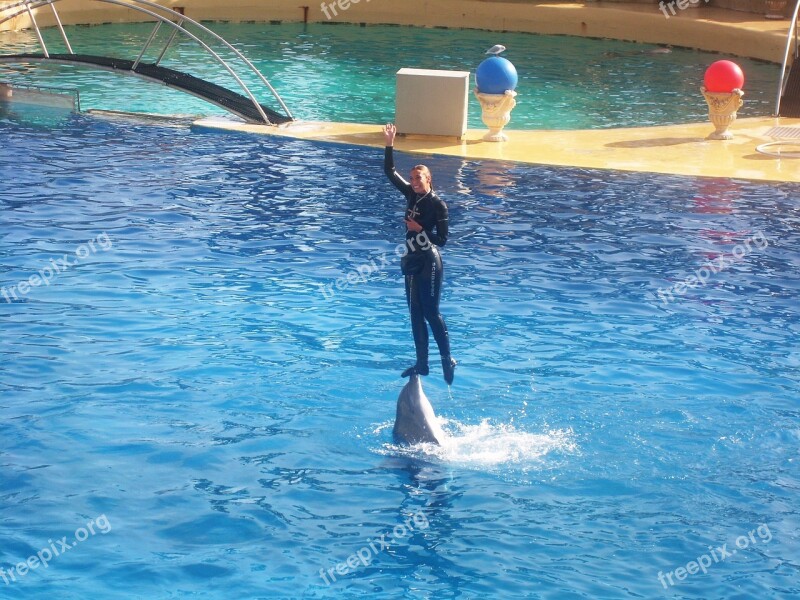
[183,403]
[347,73]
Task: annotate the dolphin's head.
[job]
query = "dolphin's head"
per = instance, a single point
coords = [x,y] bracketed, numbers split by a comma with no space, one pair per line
[415,421]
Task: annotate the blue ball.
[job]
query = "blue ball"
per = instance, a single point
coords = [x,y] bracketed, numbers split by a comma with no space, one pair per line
[495,75]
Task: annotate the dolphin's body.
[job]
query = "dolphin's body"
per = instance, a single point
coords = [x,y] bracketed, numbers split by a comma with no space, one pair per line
[415,421]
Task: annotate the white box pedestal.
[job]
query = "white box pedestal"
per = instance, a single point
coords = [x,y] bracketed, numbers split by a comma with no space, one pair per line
[432,102]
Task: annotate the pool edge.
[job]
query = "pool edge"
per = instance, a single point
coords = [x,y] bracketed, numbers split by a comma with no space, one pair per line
[665,149]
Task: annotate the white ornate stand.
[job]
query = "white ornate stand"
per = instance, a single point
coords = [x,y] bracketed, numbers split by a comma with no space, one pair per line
[496,113]
[722,107]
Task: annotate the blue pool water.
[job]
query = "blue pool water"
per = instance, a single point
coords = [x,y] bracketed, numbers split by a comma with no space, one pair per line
[185,405]
[347,73]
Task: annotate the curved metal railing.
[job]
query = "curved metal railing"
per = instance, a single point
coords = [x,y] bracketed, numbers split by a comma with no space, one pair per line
[150,9]
[792,33]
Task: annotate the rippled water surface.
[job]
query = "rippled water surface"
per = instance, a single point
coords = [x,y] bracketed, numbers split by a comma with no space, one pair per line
[348,73]
[191,409]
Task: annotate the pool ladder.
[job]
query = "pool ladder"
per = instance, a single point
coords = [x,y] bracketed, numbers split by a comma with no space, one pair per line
[246,106]
[787,103]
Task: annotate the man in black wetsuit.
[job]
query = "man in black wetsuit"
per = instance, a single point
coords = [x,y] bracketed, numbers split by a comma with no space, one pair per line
[422,263]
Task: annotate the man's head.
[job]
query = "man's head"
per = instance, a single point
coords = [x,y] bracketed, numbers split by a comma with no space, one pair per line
[421,179]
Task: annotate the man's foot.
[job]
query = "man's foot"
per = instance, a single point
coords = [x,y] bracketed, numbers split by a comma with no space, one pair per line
[448,369]
[415,370]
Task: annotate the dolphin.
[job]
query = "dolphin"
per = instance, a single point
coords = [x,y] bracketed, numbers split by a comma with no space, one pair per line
[415,421]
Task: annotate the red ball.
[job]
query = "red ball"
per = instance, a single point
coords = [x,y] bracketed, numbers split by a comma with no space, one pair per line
[723,76]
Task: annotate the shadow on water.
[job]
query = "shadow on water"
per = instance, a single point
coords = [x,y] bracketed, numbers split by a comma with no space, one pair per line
[425,520]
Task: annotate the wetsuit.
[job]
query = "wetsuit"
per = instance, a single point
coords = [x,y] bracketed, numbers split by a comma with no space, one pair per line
[422,267]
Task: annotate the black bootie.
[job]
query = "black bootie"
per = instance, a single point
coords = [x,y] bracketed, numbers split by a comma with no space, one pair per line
[448,369]
[415,370]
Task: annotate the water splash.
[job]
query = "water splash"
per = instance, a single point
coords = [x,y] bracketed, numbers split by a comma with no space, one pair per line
[487,445]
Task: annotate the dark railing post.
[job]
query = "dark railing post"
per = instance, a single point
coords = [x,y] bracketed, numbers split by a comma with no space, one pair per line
[792,33]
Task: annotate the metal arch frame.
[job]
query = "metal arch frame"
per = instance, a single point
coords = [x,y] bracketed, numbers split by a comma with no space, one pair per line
[28,6]
[783,79]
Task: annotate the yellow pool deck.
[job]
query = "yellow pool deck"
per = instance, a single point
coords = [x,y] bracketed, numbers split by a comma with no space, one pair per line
[673,149]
